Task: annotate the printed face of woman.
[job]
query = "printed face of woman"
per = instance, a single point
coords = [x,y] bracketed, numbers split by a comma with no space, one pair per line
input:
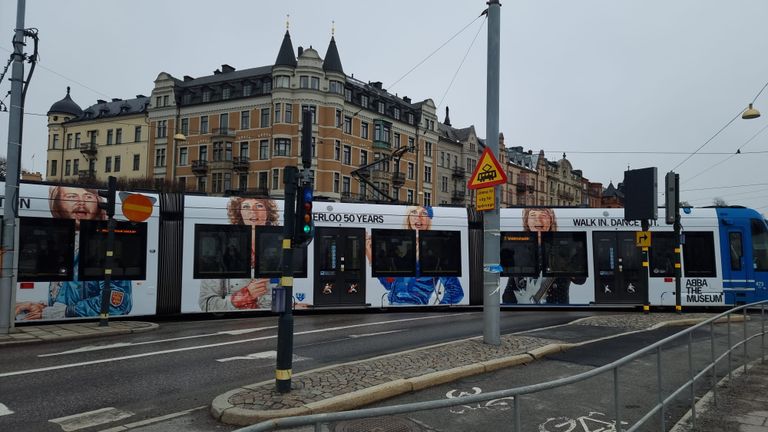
[254,212]
[539,221]
[79,204]
[418,219]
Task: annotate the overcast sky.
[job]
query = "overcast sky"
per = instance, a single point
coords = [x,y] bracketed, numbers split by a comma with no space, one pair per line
[613,84]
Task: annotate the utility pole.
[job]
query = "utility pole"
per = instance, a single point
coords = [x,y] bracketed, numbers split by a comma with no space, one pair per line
[491,221]
[13,158]
[109,208]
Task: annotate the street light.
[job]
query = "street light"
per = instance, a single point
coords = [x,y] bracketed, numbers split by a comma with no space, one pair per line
[750,113]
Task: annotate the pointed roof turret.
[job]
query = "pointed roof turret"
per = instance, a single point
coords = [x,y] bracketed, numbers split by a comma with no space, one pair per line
[66,106]
[286,57]
[332,61]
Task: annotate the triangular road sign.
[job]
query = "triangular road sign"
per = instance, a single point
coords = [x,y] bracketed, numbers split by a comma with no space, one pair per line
[488,172]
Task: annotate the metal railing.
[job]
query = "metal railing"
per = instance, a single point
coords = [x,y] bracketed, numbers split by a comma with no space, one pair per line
[318,420]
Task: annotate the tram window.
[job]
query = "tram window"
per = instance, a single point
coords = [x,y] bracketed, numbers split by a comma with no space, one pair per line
[565,254]
[129,260]
[662,254]
[699,255]
[269,254]
[222,251]
[393,252]
[736,249]
[519,254]
[759,245]
[46,249]
[440,253]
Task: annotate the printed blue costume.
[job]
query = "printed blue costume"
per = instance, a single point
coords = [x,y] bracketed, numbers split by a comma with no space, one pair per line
[83,299]
[417,290]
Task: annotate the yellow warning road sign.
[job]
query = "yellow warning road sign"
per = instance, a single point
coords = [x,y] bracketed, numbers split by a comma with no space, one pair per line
[485,199]
[488,172]
[643,239]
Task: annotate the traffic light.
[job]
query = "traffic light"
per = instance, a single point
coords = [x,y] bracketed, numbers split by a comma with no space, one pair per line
[305,227]
[109,195]
[671,197]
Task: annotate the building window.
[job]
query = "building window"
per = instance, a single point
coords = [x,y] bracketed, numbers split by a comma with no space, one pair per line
[396,113]
[348,95]
[363,157]
[313,110]
[427,199]
[428,149]
[203,124]
[337,150]
[444,184]
[77,140]
[203,153]
[314,83]
[183,156]
[347,125]
[158,101]
[165,100]
[336,182]
[364,130]
[364,101]
[137,134]
[381,107]
[160,157]
[267,87]
[282,147]
[410,118]
[206,95]
[225,93]
[117,163]
[282,81]
[335,87]
[244,149]
[409,196]
[338,119]
[69,141]
[265,117]
[288,113]
[245,120]
[278,112]
[75,166]
[54,166]
[410,170]
[224,122]
[346,185]
[55,140]
[243,183]
[202,183]
[67,167]
[397,140]
[187,98]
[304,81]
[247,89]
[109,136]
[264,149]
[275,178]
[136,162]
[347,155]
[222,151]
[185,126]
[162,128]
[119,136]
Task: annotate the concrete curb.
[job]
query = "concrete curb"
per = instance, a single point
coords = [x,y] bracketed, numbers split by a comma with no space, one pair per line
[225,412]
[150,327]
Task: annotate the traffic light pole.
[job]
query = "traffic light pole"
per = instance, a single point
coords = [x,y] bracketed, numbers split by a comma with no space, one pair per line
[106,292]
[285,322]
[678,249]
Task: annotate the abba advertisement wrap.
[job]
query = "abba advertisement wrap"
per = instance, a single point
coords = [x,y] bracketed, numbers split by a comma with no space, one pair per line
[40,253]
[340,229]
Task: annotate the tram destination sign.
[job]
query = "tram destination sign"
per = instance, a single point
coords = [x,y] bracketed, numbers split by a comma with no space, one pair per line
[488,172]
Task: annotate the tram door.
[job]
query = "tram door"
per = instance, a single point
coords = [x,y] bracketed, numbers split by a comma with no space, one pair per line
[339,266]
[738,273]
[619,273]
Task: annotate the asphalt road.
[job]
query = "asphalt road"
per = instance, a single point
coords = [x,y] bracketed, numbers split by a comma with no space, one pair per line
[182,366]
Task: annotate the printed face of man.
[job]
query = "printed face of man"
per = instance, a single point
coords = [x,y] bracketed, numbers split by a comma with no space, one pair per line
[539,221]
[418,219]
[254,212]
[79,204]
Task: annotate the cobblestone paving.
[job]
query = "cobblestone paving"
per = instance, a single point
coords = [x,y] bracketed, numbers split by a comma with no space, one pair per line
[342,379]
[48,332]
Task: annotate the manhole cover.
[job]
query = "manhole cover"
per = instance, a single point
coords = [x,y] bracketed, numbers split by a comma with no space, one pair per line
[378,424]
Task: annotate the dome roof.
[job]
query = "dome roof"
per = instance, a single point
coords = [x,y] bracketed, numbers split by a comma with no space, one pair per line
[66,106]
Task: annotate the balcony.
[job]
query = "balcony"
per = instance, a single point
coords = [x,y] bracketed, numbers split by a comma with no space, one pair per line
[521,187]
[241,163]
[200,167]
[458,196]
[222,133]
[88,150]
[380,144]
[459,172]
[86,174]
[568,196]
[398,180]
[221,165]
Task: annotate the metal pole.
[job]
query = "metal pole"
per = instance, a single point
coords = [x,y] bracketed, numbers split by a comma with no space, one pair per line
[693,379]
[678,251]
[106,292]
[714,363]
[516,401]
[491,219]
[730,347]
[661,393]
[745,340]
[616,402]
[285,322]
[762,335]
[13,157]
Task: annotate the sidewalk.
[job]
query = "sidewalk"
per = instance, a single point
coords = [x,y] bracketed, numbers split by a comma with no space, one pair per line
[57,332]
[356,384]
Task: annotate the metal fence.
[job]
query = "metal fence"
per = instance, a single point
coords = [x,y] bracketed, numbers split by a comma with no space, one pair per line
[695,377]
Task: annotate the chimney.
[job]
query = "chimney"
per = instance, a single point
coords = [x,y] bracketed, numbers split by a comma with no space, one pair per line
[225,68]
[188,78]
[406,99]
[301,51]
[217,72]
[116,99]
[100,101]
[501,140]
[376,84]
[140,96]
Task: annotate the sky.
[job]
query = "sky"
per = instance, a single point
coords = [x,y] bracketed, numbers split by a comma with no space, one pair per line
[612,84]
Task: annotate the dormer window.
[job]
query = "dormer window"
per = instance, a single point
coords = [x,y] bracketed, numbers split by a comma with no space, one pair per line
[348,95]
[187,98]
[396,113]
[381,107]
[225,93]
[364,101]
[335,87]
[267,86]
[206,95]
[247,89]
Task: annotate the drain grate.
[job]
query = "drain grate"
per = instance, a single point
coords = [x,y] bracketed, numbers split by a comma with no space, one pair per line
[377,424]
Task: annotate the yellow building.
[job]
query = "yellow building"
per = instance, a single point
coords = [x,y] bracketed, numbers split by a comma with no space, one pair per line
[105,139]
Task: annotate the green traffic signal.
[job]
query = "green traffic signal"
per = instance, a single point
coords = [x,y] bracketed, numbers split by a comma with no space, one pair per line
[306,229]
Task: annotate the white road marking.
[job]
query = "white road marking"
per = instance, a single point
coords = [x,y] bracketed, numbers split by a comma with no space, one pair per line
[170,351]
[127,344]
[260,356]
[4,410]
[353,336]
[153,420]
[90,418]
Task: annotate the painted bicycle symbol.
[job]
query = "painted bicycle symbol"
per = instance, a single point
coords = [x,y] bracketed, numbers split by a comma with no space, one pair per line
[592,422]
[500,404]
